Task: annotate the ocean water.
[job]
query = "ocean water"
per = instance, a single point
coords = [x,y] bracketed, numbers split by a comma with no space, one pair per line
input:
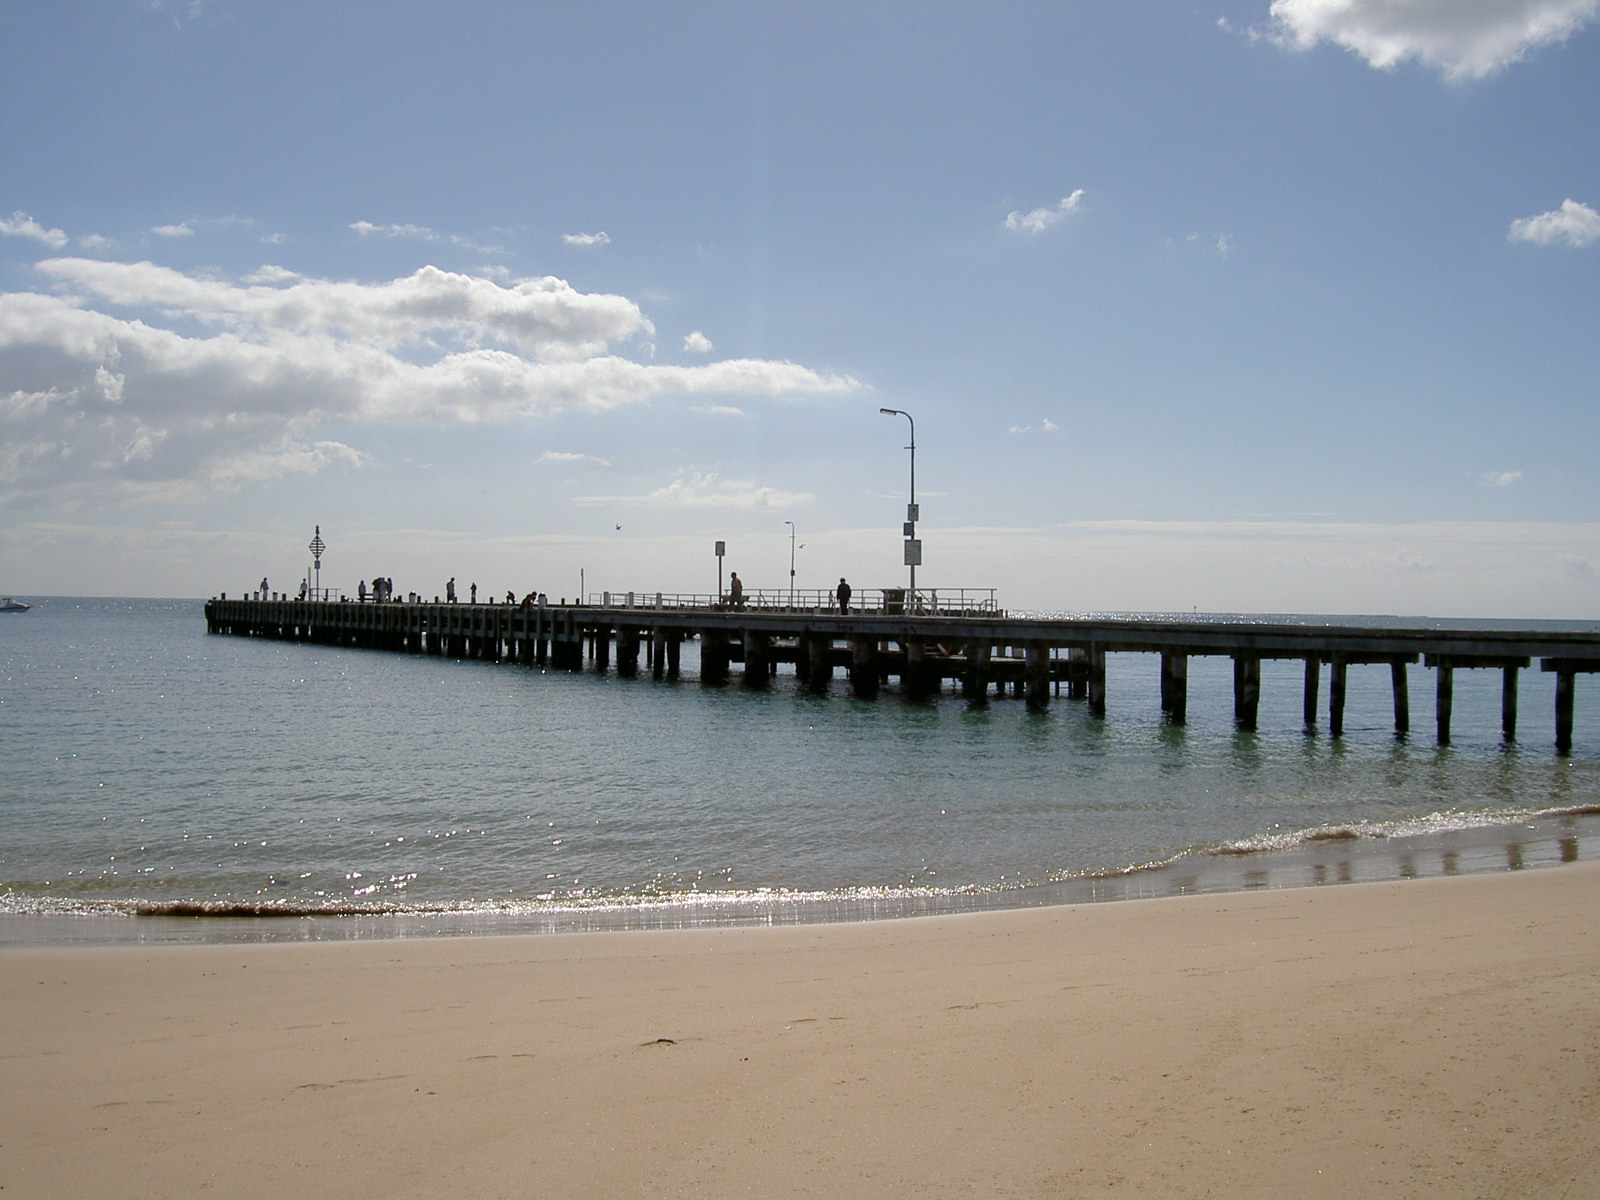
[161,783]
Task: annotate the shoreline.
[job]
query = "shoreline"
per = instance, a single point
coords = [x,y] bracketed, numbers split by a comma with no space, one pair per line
[1350,853]
[1430,1037]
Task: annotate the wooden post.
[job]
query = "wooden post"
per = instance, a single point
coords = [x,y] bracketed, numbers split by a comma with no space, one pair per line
[1564,698]
[1402,697]
[1445,699]
[757,652]
[713,656]
[1508,704]
[864,667]
[627,651]
[1036,669]
[975,683]
[914,678]
[1097,680]
[1077,674]
[1246,690]
[1313,679]
[1175,686]
[1336,674]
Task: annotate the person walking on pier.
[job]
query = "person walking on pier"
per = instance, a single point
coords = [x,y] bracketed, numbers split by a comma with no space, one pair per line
[844,595]
[735,591]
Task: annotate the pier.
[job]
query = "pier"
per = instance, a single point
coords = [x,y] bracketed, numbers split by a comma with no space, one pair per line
[957,638]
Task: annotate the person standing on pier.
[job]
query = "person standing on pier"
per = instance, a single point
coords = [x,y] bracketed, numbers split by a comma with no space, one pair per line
[735,591]
[474,591]
[450,590]
[844,595]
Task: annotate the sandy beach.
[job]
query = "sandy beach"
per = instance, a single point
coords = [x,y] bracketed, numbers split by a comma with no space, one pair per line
[1421,1038]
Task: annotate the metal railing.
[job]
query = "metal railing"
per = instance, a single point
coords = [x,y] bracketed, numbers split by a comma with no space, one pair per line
[924,602]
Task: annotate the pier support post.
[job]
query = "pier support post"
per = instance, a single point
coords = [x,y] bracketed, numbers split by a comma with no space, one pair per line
[1402,697]
[1444,700]
[1313,680]
[975,682]
[1097,680]
[757,659]
[1175,686]
[1246,690]
[674,652]
[627,651]
[864,667]
[1508,704]
[1565,679]
[713,656]
[1036,670]
[1077,673]
[1336,680]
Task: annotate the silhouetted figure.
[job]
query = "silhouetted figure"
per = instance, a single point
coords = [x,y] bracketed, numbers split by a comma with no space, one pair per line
[736,591]
[450,590]
[844,595]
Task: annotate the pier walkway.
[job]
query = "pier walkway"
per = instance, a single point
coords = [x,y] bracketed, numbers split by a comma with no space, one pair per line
[959,636]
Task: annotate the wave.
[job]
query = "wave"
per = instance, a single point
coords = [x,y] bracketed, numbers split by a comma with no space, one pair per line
[1184,872]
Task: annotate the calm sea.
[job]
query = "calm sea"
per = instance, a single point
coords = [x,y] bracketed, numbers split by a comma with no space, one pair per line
[161,783]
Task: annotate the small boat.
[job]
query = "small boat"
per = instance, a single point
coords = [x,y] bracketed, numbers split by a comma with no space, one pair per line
[7,604]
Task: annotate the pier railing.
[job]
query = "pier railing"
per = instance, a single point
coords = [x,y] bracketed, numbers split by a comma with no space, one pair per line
[930,602]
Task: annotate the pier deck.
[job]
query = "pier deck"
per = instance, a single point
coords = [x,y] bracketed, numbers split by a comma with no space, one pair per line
[979,648]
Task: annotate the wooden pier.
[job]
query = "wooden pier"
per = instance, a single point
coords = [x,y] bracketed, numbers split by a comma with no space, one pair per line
[976,647]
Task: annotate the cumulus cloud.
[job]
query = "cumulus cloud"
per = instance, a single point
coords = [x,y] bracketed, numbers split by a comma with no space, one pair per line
[1499,479]
[1041,219]
[181,230]
[697,343]
[586,239]
[1573,223]
[694,489]
[131,380]
[1460,39]
[20,224]
[569,456]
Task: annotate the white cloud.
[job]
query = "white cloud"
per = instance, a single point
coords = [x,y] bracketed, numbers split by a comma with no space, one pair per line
[717,410]
[20,224]
[697,343]
[693,489]
[110,407]
[181,230]
[586,239]
[1573,223]
[1045,426]
[568,456]
[1462,39]
[1499,479]
[420,233]
[1041,219]
[368,229]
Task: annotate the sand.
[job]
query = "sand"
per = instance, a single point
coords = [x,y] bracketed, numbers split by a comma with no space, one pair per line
[1421,1038]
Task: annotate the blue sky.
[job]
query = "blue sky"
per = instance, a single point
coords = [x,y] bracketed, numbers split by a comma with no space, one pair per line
[1229,306]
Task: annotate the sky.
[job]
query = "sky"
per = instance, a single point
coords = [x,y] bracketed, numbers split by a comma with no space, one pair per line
[1256,306]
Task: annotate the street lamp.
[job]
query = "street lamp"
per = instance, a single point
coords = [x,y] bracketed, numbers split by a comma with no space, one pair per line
[913,546]
[790,524]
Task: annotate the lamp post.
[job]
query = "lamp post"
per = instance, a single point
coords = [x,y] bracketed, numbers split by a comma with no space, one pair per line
[790,524]
[913,546]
